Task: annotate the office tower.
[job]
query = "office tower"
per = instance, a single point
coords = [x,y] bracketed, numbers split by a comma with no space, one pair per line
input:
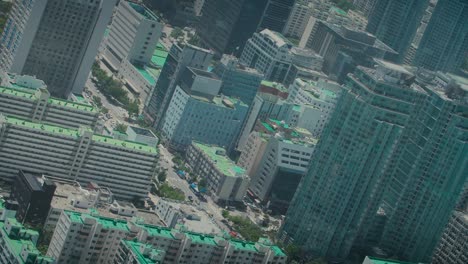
[316,102]
[343,49]
[364,6]
[271,54]
[225,25]
[226,182]
[17,243]
[72,241]
[276,15]
[133,35]
[33,194]
[55,40]
[137,253]
[297,21]
[452,247]
[444,45]
[197,112]
[429,188]
[326,212]
[281,162]
[178,59]
[125,167]
[38,106]
[238,81]
[374,260]
[395,22]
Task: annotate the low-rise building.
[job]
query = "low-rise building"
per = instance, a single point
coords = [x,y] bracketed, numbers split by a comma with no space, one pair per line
[90,238]
[70,195]
[17,243]
[285,155]
[225,180]
[38,106]
[125,167]
[142,135]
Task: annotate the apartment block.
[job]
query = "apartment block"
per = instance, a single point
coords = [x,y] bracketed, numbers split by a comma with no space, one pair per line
[123,166]
[55,40]
[284,157]
[137,253]
[225,180]
[133,35]
[37,105]
[72,242]
[17,243]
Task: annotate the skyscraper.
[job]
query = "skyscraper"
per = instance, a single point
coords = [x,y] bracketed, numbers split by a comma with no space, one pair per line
[225,25]
[444,45]
[394,148]
[325,214]
[275,15]
[395,22]
[55,40]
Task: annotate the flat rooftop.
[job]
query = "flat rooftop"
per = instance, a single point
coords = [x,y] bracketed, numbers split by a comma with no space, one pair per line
[375,260]
[144,11]
[222,162]
[275,85]
[30,94]
[75,134]
[143,257]
[142,131]
[151,71]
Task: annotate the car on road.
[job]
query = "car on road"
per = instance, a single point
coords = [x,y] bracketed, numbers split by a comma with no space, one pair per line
[190,197]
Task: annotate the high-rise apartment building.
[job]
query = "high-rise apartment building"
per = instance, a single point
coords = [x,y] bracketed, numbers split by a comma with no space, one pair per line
[137,253]
[225,25]
[444,45]
[327,209]
[276,15]
[395,22]
[419,118]
[90,238]
[133,35]
[55,40]
[125,167]
[238,81]
[177,60]
[297,21]
[428,188]
[364,6]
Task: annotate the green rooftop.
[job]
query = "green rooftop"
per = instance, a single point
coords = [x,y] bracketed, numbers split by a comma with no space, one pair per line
[158,231]
[201,239]
[224,164]
[375,260]
[74,133]
[30,94]
[159,55]
[107,223]
[278,252]
[142,10]
[15,245]
[143,70]
[243,245]
[151,72]
[338,11]
[141,257]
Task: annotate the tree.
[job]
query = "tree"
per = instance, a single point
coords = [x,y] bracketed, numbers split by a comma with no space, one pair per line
[104,110]
[121,128]
[177,32]
[202,184]
[97,100]
[162,176]
[225,213]
[133,108]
